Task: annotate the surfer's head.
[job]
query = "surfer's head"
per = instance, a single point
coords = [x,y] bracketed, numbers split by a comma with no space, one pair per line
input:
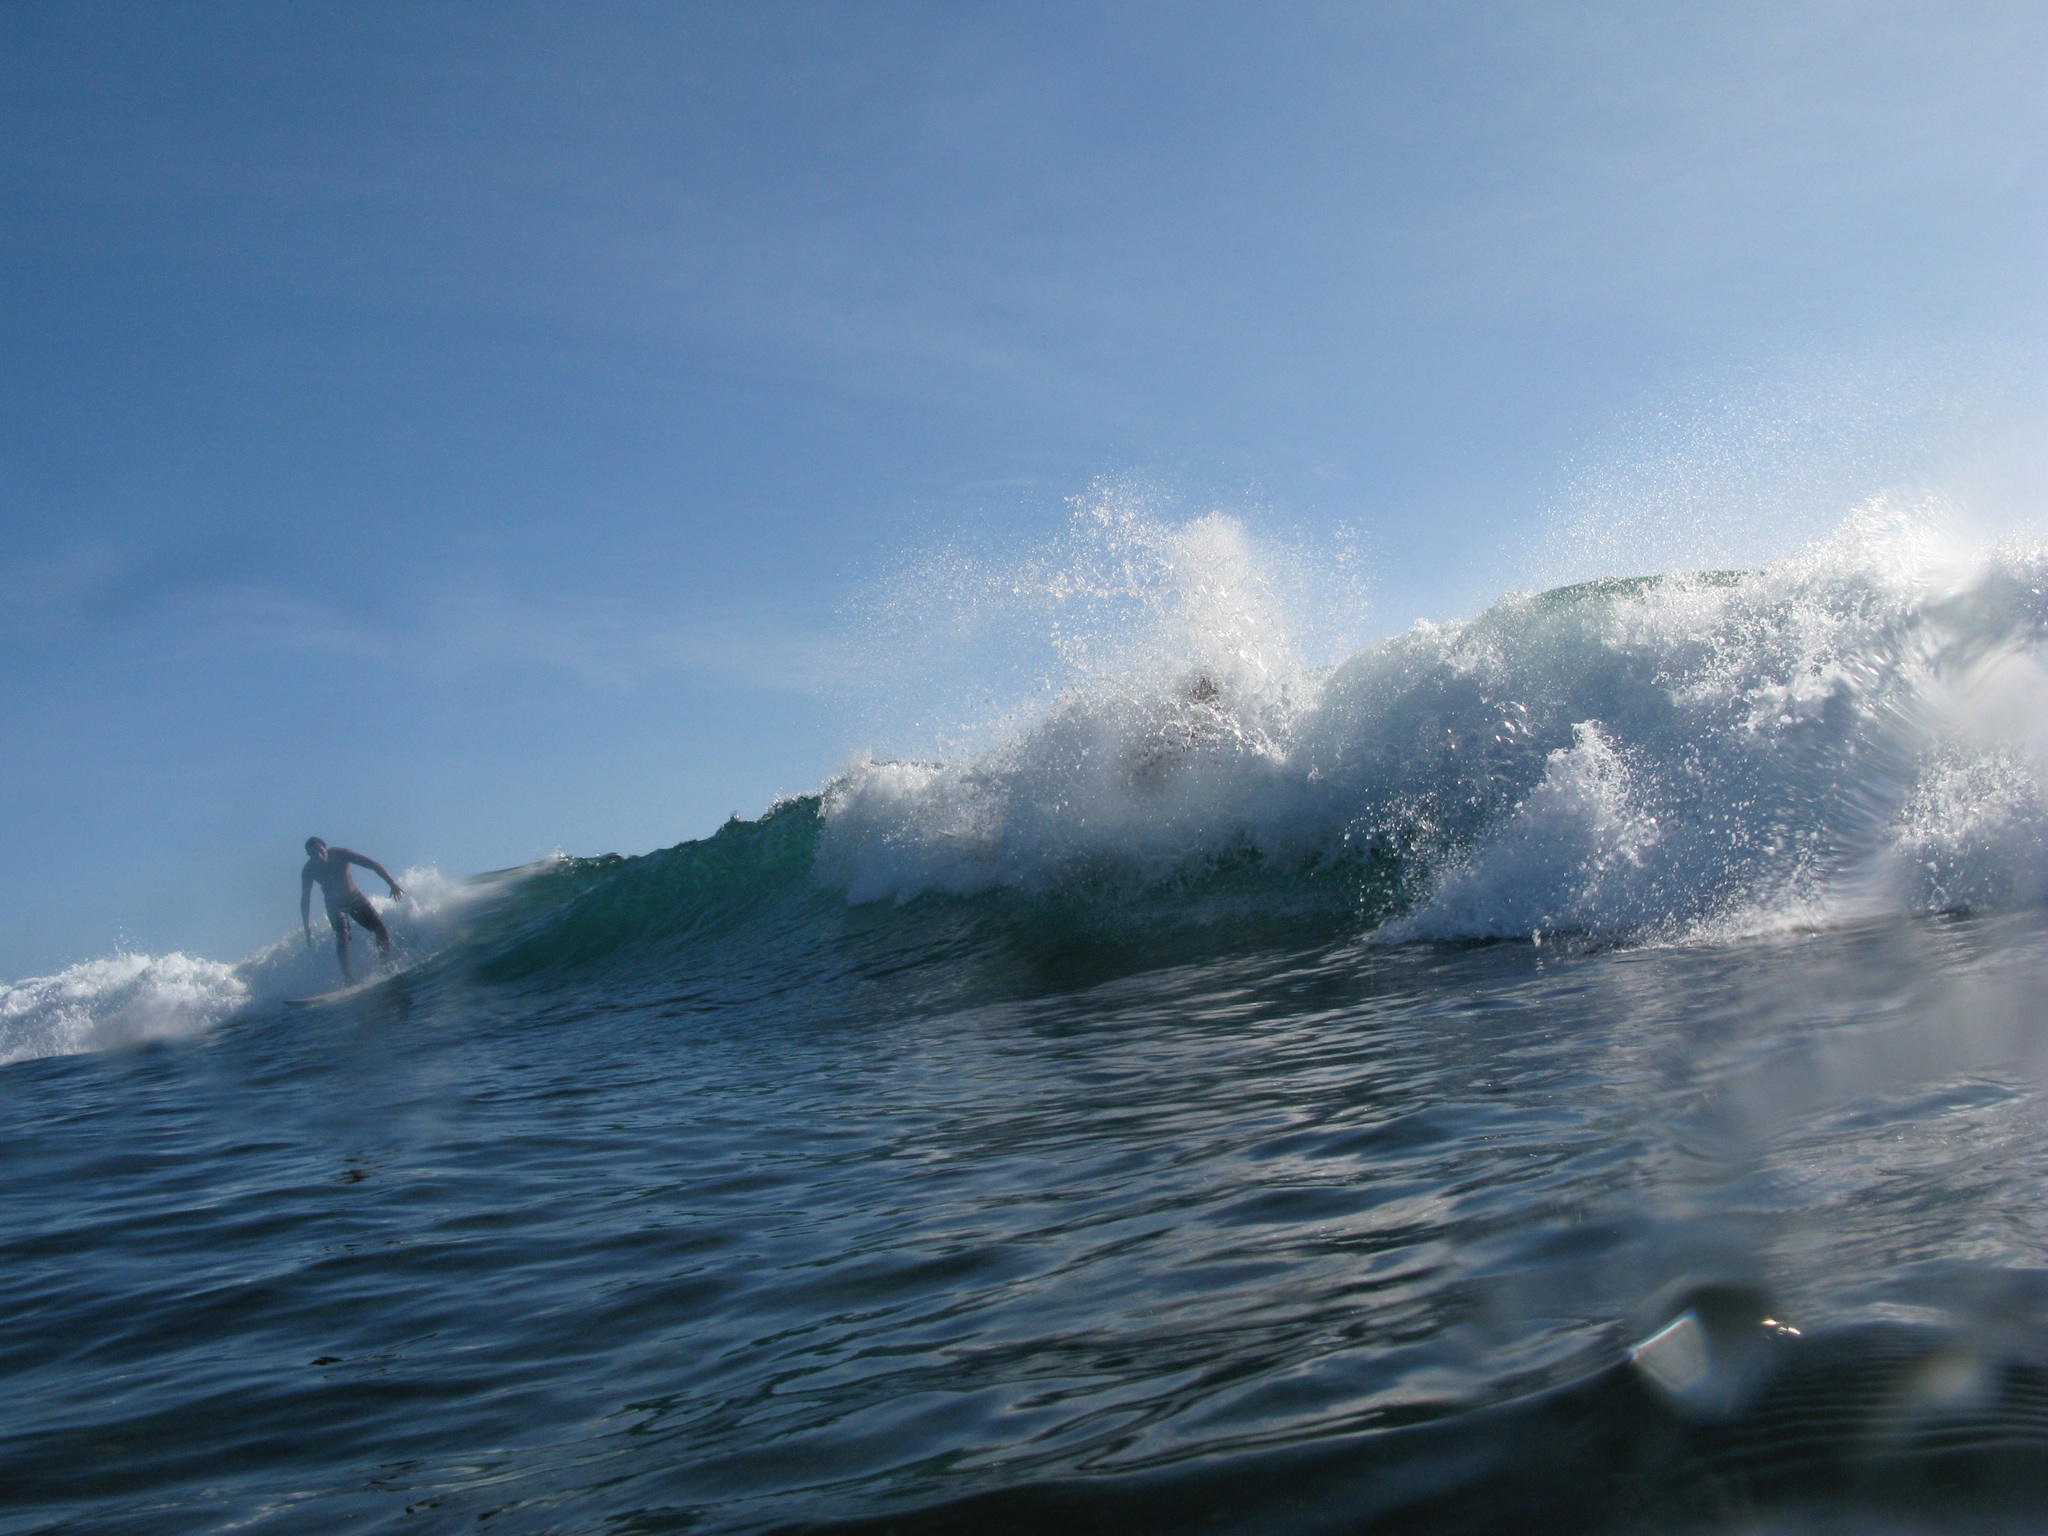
[315,849]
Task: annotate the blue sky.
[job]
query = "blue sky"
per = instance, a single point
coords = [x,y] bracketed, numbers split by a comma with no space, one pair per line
[469,430]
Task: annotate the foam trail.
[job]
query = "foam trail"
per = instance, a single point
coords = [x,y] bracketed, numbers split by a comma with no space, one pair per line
[123,999]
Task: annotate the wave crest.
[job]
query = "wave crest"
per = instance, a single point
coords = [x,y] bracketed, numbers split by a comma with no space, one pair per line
[1861,728]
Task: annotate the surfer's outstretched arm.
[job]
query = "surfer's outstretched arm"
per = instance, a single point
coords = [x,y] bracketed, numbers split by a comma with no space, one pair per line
[306,905]
[351,856]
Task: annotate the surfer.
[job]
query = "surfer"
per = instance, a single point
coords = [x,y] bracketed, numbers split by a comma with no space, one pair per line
[328,868]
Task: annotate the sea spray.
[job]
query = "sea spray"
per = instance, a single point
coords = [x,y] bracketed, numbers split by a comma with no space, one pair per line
[961,645]
[1858,728]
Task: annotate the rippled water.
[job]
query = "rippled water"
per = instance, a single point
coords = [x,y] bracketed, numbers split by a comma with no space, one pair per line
[598,1258]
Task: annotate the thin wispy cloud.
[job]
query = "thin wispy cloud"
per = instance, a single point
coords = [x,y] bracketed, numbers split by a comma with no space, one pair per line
[591,641]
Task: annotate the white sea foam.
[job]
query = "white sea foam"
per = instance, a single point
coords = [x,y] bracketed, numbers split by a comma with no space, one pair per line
[129,999]
[1860,728]
[1574,855]
[117,1000]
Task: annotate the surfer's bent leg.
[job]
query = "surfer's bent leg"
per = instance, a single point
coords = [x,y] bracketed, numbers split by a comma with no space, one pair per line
[366,914]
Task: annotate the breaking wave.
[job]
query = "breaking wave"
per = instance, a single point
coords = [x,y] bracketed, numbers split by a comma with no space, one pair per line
[1859,730]
[1855,733]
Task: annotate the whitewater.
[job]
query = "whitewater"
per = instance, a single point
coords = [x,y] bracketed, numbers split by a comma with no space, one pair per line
[1576,1068]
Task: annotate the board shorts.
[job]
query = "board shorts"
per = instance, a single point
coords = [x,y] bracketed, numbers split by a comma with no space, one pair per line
[354,905]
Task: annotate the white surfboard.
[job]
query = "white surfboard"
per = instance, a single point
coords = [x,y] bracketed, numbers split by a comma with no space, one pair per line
[334,996]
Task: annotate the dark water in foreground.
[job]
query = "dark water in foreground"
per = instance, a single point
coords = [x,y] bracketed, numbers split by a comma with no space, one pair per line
[1300,1238]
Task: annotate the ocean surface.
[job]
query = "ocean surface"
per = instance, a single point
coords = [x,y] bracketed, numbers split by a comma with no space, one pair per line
[1579,1069]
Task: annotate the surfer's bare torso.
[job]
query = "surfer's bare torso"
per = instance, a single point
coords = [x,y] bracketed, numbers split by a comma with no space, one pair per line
[336,884]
